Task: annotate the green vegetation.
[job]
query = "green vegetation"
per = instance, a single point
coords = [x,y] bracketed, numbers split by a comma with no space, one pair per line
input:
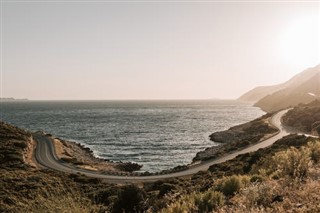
[292,163]
[274,184]
[39,191]
[305,118]
[238,137]
[26,189]
[14,141]
[130,199]
[231,185]
[197,202]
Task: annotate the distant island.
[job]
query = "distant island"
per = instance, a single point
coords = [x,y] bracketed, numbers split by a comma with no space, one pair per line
[13,99]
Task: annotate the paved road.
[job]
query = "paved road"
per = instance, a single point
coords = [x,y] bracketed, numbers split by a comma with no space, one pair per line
[45,155]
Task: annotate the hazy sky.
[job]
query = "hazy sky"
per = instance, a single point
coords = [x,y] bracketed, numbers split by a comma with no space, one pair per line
[153,50]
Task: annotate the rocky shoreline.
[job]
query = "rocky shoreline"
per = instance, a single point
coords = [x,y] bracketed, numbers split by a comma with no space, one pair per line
[233,139]
[78,155]
[238,137]
[83,157]
[230,140]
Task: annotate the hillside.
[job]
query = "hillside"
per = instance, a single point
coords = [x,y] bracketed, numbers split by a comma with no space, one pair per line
[286,92]
[305,118]
[291,96]
[274,179]
[257,93]
[26,188]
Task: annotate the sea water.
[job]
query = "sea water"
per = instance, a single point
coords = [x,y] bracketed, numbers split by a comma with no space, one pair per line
[157,134]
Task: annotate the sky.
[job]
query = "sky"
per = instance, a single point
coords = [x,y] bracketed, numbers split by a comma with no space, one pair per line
[98,50]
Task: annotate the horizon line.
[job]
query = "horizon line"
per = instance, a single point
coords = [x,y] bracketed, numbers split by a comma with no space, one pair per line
[133,99]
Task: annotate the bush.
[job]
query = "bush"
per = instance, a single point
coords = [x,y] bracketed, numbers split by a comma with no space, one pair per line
[293,163]
[258,194]
[209,201]
[130,200]
[231,185]
[184,205]
[166,188]
[257,179]
[315,151]
[197,203]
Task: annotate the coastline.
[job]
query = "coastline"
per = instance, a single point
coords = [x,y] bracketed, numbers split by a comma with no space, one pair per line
[169,127]
[238,137]
[83,157]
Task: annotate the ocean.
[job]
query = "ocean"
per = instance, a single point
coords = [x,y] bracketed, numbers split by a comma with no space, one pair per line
[157,134]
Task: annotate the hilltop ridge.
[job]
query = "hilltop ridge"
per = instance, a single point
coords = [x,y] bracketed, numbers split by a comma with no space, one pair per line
[290,93]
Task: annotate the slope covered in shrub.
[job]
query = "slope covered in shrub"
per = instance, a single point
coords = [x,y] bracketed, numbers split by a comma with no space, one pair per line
[305,117]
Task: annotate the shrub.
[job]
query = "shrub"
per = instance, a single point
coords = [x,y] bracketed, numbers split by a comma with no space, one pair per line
[130,199]
[231,185]
[257,179]
[197,203]
[245,180]
[209,201]
[317,129]
[184,205]
[258,194]
[166,188]
[315,151]
[293,163]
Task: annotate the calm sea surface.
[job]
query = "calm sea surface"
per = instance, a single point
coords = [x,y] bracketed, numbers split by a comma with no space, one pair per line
[157,134]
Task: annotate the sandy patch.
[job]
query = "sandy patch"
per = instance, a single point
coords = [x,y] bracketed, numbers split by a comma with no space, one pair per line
[62,150]
[28,155]
[83,157]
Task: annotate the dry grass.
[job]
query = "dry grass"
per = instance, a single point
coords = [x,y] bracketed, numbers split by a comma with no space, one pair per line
[287,182]
[36,191]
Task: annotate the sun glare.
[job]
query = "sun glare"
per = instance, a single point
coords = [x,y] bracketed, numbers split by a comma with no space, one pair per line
[299,42]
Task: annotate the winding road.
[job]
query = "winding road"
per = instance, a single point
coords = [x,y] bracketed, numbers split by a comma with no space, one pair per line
[45,156]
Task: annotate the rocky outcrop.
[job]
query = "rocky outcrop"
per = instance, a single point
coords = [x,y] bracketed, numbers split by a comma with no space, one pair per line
[83,157]
[238,137]
[305,118]
[14,147]
[256,128]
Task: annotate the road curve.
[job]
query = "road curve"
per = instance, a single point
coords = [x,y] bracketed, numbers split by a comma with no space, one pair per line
[45,156]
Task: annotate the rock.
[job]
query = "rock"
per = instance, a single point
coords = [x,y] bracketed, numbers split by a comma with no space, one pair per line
[237,137]
[208,152]
[128,166]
